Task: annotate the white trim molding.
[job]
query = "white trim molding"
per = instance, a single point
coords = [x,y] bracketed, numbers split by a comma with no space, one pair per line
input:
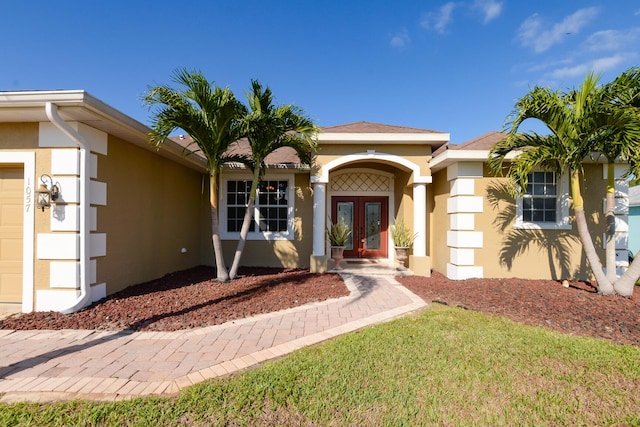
[372,155]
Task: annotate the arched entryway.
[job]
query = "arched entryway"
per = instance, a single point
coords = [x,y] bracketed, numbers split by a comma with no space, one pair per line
[344,187]
[363,199]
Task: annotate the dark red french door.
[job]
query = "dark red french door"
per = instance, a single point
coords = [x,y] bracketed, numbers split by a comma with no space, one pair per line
[367,217]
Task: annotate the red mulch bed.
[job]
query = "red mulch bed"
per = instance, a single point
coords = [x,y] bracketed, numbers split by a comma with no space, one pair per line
[192,299]
[577,309]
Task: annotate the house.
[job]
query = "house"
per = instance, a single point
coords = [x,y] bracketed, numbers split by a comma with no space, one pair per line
[126,213]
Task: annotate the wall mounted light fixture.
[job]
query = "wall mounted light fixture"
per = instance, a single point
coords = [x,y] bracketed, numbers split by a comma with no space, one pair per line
[46,194]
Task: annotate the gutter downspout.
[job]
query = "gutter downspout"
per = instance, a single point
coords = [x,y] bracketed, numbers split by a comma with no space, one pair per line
[85,295]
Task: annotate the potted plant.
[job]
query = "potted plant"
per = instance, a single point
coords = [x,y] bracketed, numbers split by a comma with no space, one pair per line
[402,240]
[338,233]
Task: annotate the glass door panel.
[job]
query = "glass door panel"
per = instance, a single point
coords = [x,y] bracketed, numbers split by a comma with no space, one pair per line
[373,215]
[345,213]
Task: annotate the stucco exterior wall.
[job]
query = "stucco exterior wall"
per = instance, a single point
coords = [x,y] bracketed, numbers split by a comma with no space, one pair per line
[154,209]
[509,252]
[437,195]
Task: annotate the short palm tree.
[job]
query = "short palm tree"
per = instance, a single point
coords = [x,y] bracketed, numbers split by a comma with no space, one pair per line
[577,121]
[623,98]
[268,128]
[207,113]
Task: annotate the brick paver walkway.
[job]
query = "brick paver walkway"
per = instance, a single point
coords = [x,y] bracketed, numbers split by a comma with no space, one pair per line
[109,365]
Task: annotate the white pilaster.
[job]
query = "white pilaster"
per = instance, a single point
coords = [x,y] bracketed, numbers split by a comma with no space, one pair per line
[462,206]
[319,214]
[419,219]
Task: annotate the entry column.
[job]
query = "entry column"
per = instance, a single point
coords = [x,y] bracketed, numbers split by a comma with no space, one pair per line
[318,262]
[419,263]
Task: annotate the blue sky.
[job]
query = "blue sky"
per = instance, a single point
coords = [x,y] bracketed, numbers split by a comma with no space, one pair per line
[455,67]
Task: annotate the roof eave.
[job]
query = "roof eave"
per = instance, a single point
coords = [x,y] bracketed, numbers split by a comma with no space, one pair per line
[73,105]
[450,157]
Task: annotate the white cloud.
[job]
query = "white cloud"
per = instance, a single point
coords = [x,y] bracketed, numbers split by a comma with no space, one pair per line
[531,32]
[569,72]
[601,65]
[610,40]
[598,65]
[400,40]
[439,20]
[491,9]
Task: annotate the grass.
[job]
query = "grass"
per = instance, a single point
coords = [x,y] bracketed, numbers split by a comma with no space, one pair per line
[443,366]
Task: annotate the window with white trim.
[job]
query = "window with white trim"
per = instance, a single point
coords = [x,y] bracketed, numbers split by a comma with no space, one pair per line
[545,202]
[540,199]
[273,210]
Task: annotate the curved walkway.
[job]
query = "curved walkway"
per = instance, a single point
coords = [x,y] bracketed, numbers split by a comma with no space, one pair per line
[110,365]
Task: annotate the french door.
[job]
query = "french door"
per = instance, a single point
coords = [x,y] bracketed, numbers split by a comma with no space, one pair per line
[367,217]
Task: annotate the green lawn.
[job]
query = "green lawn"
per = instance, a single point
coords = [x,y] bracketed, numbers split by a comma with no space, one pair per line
[443,366]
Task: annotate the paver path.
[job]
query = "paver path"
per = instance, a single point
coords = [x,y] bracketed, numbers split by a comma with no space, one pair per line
[109,365]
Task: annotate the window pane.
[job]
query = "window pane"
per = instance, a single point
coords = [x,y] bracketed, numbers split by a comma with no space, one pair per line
[550,216]
[538,177]
[550,203]
[538,203]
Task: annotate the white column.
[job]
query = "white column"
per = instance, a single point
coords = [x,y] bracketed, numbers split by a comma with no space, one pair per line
[419,219]
[319,214]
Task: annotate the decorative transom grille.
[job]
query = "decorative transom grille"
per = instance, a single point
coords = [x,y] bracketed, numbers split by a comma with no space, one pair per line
[360,182]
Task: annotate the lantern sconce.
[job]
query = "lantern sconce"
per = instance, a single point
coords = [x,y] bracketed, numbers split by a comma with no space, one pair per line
[46,194]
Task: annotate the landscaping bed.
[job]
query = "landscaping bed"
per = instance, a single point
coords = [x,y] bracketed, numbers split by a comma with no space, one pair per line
[193,299]
[576,309]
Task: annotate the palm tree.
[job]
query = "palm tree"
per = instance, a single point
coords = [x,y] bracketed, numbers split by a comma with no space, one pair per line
[577,122]
[623,98]
[209,114]
[268,128]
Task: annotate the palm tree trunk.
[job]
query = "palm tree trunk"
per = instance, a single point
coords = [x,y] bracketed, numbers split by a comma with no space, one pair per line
[604,285]
[221,268]
[610,225]
[626,283]
[246,224]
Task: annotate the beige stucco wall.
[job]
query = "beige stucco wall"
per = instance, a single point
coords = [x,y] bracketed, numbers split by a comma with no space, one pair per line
[537,261]
[437,195]
[282,253]
[154,209]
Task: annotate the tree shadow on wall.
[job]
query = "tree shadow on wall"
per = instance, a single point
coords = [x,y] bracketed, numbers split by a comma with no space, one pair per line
[516,243]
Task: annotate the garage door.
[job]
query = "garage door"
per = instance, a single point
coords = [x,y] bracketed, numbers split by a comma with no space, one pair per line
[11,220]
